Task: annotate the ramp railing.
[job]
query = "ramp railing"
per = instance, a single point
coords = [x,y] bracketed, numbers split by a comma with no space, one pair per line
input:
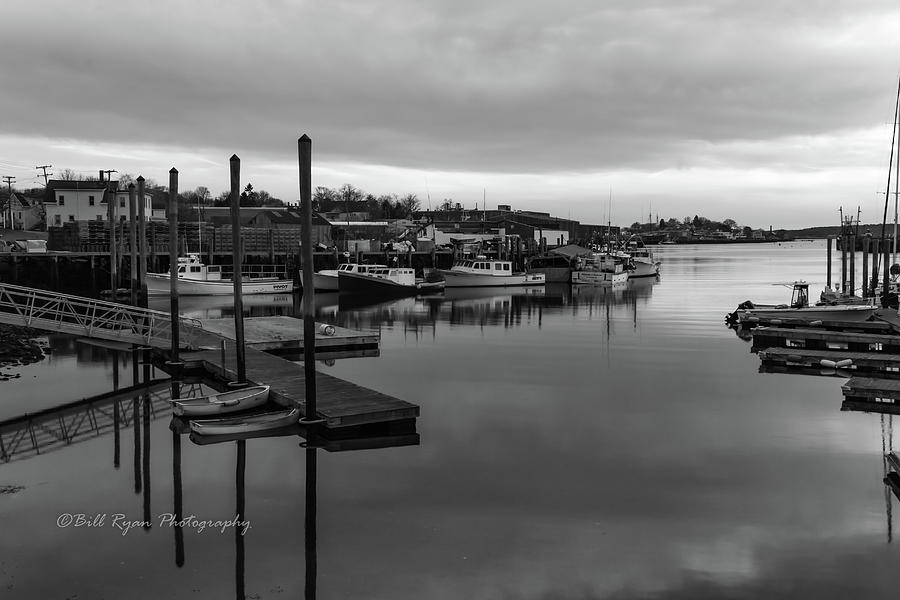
[92,318]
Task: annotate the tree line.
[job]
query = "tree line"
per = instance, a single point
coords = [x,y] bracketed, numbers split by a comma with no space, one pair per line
[350,199]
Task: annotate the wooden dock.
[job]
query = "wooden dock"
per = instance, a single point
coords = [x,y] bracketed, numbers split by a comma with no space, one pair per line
[877,362]
[286,333]
[819,339]
[339,403]
[871,389]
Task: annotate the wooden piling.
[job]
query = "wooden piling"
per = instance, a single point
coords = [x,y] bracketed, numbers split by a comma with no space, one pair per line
[304,147]
[132,242]
[866,242]
[843,263]
[852,251]
[235,164]
[886,281]
[111,214]
[173,259]
[876,245]
[142,228]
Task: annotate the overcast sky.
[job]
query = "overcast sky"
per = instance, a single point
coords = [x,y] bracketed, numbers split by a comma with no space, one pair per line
[768,112]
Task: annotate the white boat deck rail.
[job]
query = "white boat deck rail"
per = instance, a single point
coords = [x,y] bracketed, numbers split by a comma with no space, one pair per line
[87,317]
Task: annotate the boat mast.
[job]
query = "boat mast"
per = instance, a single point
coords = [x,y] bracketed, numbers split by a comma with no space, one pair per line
[887,199]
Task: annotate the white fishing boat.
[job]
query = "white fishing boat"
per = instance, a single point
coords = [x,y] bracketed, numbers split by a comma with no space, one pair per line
[485,272]
[326,280]
[799,308]
[198,279]
[388,281]
[643,264]
[222,403]
[601,268]
[246,424]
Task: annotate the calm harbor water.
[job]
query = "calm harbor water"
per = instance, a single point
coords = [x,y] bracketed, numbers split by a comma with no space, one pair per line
[586,443]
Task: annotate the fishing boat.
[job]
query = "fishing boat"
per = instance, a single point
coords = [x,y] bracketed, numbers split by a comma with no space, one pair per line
[246,424]
[389,281]
[198,279]
[642,261]
[326,280]
[222,403]
[485,272]
[556,268]
[799,308]
[602,268]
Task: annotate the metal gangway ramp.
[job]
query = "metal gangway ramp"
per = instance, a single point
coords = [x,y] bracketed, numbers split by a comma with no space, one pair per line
[87,317]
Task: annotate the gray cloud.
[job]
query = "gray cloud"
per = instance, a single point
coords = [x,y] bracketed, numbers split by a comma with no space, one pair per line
[454,85]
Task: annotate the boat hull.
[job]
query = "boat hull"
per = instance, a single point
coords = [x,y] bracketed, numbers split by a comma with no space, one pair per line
[224,403]
[358,283]
[237,425]
[554,274]
[326,281]
[456,279]
[158,284]
[834,313]
[644,269]
[599,278]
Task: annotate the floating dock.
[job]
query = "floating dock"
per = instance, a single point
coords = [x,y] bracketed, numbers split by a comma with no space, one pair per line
[818,339]
[285,334]
[338,402]
[885,365]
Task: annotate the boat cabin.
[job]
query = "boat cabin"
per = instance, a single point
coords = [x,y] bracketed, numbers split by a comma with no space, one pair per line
[403,276]
[191,267]
[484,266]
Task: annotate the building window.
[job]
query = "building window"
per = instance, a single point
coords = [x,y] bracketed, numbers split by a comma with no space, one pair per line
[122,203]
[90,200]
[62,200]
[71,218]
[99,217]
[57,220]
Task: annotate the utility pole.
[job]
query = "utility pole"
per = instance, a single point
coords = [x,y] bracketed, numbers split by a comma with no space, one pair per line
[9,181]
[46,174]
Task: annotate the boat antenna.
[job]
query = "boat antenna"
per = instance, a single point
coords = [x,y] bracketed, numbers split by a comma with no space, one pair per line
[887,198]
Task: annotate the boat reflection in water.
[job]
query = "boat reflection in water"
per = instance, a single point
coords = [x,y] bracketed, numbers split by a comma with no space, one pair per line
[218,307]
[509,307]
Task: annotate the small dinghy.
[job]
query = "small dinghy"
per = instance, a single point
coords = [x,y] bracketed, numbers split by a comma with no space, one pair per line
[246,424]
[222,403]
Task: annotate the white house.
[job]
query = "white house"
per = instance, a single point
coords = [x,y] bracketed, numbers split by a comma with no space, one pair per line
[70,201]
[27,213]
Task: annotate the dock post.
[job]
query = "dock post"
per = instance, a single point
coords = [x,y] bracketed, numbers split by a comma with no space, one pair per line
[866,242]
[310,523]
[111,213]
[132,242]
[873,283]
[852,280]
[236,251]
[828,266]
[173,259]
[304,147]
[142,229]
[843,263]
[886,281]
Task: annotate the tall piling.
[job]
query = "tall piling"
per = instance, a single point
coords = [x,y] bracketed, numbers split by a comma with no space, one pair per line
[866,242]
[828,261]
[132,242]
[304,148]
[886,281]
[843,263]
[852,252]
[173,259]
[142,232]
[235,165]
[111,214]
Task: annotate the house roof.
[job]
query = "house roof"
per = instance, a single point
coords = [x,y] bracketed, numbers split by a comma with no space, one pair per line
[65,184]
